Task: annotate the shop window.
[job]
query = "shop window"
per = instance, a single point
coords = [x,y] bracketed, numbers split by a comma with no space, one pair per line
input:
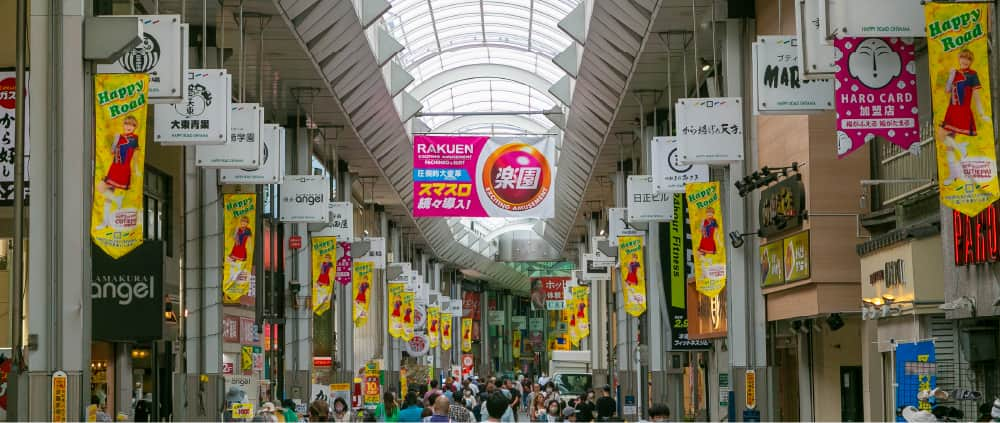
[157,202]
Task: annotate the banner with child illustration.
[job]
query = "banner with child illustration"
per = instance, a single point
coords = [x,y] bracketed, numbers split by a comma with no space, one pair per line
[466,334]
[396,308]
[361,291]
[446,320]
[119,158]
[324,252]
[408,300]
[707,236]
[433,324]
[960,97]
[633,274]
[239,215]
[579,321]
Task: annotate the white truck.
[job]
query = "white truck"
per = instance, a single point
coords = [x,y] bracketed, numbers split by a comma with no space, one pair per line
[571,373]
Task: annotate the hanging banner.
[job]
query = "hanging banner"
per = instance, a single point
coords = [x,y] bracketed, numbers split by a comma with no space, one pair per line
[645,203]
[395,300]
[407,298]
[815,53]
[476,176]
[876,93]
[882,18]
[272,153]
[633,274]
[670,173]
[341,224]
[202,118]
[373,385]
[960,95]
[679,270]
[344,263]
[779,85]
[361,291]
[324,249]
[916,371]
[244,148]
[466,334]
[581,313]
[7,130]
[547,293]
[161,55]
[304,199]
[708,237]
[515,346]
[119,158]
[710,130]
[433,324]
[446,320]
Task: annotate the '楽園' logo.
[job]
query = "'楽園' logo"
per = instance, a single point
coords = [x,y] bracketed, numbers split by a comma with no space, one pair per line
[517,177]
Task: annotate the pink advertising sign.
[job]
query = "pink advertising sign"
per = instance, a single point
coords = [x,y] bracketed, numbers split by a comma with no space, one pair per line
[345,263]
[477,176]
[876,92]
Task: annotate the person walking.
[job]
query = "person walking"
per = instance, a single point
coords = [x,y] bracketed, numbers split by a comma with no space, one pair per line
[585,407]
[659,412]
[440,410]
[341,413]
[411,409]
[605,405]
[388,410]
[319,411]
[552,412]
[496,406]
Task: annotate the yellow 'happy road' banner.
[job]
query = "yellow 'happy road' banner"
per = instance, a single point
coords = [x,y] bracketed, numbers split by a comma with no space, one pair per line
[466,334]
[515,347]
[707,237]
[433,321]
[580,320]
[446,331]
[396,309]
[960,95]
[239,215]
[633,274]
[119,159]
[324,254]
[362,291]
[409,300]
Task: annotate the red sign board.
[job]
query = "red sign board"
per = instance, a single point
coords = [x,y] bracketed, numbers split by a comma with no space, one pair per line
[247,331]
[295,242]
[231,329]
[553,288]
[467,361]
[975,238]
[322,361]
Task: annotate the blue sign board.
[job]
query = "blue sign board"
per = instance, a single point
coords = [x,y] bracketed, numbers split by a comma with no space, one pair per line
[916,371]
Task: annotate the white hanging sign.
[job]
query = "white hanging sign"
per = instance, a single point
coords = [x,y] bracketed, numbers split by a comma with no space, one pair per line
[272,153]
[779,85]
[644,203]
[203,117]
[670,174]
[816,53]
[341,223]
[617,226]
[304,199]
[376,252]
[594,269]
[882,18]
[244,148]
[418,345]
[455,307]
[8,126]
[161,54]
[710,130]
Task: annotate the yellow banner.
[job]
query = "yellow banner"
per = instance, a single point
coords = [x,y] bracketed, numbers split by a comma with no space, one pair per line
[466,334]
[446,331]
[409,301]
[362,291]
[580,320]
[396,309]
[239,215]
[246,358]
[960,95]
[633,274]
[707,237]
[433,321]
[515,347]
[119,159]
[324,255]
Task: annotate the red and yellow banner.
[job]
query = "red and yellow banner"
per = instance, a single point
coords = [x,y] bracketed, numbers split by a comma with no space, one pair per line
[361,291]
[324,254]
[239,215]
[396,308]
[446,320]
[960,95]
[466,334]
[408,298]
[515,346]
[119,159]
[633,274]
[579,320]
[433,324]
[707,237]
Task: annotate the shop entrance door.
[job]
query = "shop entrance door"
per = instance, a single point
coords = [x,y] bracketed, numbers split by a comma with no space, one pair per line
[851,402]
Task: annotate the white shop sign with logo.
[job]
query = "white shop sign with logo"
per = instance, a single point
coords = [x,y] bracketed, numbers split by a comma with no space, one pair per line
[272,154]
[779,85]
[645,204]
[203,117]
[710,130]
[161,54]
[882,18]
[816,53]
[670,173]
[244,148]
[617,227]
[341,224]
[376,253]
[305,199]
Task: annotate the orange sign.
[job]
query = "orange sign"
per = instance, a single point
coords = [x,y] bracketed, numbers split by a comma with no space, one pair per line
[751,389]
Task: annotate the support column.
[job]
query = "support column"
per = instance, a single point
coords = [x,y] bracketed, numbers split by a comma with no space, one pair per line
[299,324]
[123,379]
[599,333]
[343,304]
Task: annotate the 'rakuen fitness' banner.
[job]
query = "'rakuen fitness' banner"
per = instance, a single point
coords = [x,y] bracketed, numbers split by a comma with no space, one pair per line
[633,274]
[239,217]
[705,212]
[361,291]
[324,251]
[470,176]
[119,158]
[960,95]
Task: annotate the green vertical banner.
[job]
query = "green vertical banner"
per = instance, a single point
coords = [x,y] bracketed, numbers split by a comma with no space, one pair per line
[676,261]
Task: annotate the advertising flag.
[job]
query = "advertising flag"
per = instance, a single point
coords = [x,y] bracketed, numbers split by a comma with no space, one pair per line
[8,127]
[466,334]
[239,220]
[446,320]
[119,158]
[408,300]
[876,92]
[324,251]
[677,271]
[361,291]
[344,263]
[515,348]
[396,308]
[433,323]
[707,235]
[581,313]
[960,95]
[633,274]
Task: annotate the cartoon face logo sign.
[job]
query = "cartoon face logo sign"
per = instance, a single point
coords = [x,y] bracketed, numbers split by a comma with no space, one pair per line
[675,163]
[516,177]
[143,58]
[874,63]
[198,99]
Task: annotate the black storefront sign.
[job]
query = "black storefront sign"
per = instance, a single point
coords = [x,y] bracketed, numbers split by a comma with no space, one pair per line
[677,262]
[782,206]
[127,294]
